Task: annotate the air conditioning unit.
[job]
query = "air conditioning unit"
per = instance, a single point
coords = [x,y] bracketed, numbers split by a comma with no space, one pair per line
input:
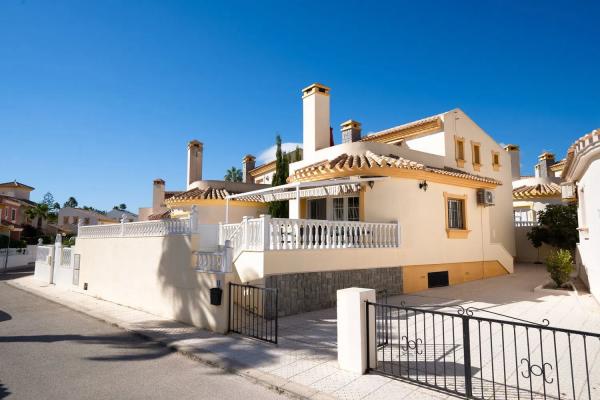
[485,197]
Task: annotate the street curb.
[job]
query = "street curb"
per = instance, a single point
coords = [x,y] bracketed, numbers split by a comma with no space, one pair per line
[269,381]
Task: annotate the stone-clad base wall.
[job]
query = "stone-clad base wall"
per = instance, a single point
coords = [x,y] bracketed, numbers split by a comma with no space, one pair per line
[312,291]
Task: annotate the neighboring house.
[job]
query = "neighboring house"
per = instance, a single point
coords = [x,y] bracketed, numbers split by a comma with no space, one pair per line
[581,176]
[209,196]
[70,217]
[531,194]
[118,215]
[263,174]
[14,202]
[442,180]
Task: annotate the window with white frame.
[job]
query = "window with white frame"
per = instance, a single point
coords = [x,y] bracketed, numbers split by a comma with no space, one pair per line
[338,209]
[524,215]
[13,214]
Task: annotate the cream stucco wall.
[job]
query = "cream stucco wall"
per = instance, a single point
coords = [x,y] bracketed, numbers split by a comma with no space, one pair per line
[589,223]
[153,274]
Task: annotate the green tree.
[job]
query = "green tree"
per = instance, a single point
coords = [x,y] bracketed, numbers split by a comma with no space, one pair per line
[39,211]
[280,209]
[48,199]
[233,175]
[120,207]
[557,227]
[71,202]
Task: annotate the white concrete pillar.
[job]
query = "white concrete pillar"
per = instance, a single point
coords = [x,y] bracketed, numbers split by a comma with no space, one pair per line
[352,329]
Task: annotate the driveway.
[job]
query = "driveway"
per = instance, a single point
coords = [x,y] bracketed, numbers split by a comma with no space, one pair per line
[430,349]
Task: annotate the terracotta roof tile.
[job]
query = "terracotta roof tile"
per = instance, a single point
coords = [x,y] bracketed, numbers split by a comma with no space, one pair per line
[209,193]
[368,160]
[164,215]
[539,190]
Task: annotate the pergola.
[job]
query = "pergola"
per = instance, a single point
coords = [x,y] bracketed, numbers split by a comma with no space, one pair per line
[299,190]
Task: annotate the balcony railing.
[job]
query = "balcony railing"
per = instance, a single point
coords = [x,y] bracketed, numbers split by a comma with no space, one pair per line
[271,234]
[520,224]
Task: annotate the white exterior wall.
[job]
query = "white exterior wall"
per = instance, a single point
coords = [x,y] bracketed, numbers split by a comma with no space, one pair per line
[153,274]
[315,122]
[434,143]
[589,217]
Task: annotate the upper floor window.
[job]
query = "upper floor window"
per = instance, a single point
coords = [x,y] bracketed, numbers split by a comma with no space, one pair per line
[13,214]
[353,209]
[65,220]
[338,209]
[75,220]
[460,151]
[476,149]
[495,160]
[86,221]
[346,209]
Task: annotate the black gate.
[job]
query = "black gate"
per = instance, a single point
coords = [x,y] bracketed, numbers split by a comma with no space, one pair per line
[484,358]
[253,312]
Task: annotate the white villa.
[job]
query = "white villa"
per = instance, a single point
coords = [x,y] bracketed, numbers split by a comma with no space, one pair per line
[423,204]
[581,176]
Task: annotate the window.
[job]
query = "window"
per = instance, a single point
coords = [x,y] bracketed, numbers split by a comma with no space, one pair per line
[338,209]
[353,209]
[86,221]
[476,149]
[75,220]
[456,216]
[13,214]
[495,160]
[460,151]
[317,209]
[65,220]
[6,213]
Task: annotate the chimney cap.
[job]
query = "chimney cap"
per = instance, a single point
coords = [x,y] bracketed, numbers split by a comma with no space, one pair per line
[194,143]
[350,124]
[546,156]
[248,157]
[159,181]
[315,88]
[511,147]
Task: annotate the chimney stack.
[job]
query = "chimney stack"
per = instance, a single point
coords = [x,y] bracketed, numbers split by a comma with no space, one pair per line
[194,170]
[315,112]
[350,131]
[158,195]
[542,168]
[248,164]
[515,160]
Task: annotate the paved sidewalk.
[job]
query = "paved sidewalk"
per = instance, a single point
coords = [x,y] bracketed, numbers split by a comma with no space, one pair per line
[301,365]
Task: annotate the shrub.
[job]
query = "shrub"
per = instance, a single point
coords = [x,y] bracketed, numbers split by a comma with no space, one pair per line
[560,265]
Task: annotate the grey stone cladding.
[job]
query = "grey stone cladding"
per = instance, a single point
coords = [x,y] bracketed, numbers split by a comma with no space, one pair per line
[312,291]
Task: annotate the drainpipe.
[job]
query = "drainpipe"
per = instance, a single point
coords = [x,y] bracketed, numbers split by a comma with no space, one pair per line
[227,210]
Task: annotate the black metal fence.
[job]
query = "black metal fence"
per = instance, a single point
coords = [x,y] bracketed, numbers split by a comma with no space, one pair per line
[485,358]
[253,312]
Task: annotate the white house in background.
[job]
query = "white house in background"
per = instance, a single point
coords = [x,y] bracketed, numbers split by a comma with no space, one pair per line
[532,194]
[118,215]
[581,176]
[70,217]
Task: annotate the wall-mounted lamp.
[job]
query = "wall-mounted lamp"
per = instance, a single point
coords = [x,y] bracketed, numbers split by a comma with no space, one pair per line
[371,184]
[423,185]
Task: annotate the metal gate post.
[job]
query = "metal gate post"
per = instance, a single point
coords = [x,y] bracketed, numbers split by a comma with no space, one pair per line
[368,339]
[467,357]
[229,308]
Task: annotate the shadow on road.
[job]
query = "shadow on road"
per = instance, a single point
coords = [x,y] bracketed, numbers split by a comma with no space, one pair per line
[4,392]
[15,273]
[137,349]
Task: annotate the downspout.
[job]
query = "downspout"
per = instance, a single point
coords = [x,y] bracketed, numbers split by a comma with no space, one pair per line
[227,210]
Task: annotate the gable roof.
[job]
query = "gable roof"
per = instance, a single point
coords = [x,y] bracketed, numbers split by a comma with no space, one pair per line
[423,126]
[369,163]
[16,185]
[539,190]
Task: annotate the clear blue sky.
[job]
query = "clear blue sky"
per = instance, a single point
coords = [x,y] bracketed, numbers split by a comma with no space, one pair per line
[99,98]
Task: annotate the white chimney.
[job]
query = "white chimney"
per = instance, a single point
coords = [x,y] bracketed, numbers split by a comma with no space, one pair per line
[515,160]
[158,195]
[316,125]
[194,170]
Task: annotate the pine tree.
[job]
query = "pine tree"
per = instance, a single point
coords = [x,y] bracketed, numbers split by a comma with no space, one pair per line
[280,209]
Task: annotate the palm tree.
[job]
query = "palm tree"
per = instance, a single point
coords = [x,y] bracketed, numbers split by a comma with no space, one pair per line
[233,175]
[39,211]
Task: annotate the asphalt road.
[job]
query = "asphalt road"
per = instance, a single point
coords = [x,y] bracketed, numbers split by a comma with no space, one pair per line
[50,352]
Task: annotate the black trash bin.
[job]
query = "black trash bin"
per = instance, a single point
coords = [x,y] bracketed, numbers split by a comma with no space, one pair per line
[215,296]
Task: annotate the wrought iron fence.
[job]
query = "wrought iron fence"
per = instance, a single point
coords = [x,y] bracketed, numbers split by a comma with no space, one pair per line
[487,358]
[253,312]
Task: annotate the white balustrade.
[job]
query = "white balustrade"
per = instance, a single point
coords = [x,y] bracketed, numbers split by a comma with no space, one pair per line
[268,233]
[214,261]
[519,224]
[163,227]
